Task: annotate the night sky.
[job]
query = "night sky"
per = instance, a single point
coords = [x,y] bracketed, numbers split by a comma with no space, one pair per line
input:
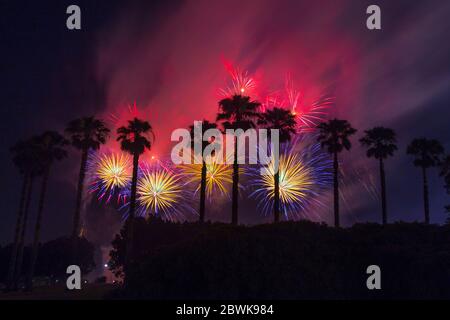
[167,57]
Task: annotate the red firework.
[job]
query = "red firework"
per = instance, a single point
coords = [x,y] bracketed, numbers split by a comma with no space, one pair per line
[241,82]
[122,115]
[308,115]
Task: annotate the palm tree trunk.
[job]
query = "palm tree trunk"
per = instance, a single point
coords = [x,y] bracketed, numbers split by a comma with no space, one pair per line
[18,270]
[15,247]
[235,195]
[203,193]
[130,220]
[383,193]
[37,230]
[77,214]
[276,204]
[336,190]
[426,202]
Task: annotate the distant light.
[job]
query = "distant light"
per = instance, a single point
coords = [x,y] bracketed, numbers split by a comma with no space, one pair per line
[105,265]
[153,157]
[242,90]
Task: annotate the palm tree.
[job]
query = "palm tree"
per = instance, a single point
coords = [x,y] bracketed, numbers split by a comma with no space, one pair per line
[284,121]
[427,153]
[24,158]
[134,139]
[205,125]
[237,112]
[334,135]
[23,229]
[85,134]
[51,148]
[380,144]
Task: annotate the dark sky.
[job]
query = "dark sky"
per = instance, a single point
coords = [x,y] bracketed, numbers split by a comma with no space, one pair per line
[167,57]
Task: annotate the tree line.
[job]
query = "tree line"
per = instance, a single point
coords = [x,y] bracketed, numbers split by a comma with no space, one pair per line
[35,157]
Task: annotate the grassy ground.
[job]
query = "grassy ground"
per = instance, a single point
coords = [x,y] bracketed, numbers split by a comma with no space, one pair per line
[87,292]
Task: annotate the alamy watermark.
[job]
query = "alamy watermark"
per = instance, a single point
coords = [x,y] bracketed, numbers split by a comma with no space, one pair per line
[222,146]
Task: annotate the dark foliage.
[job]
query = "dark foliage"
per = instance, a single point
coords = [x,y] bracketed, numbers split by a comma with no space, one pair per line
[290,260]
[427,152]
[445,173]
[53,259]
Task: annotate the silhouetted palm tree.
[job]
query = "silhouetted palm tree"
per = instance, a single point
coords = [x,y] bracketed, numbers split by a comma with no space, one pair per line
[334,135]
[205,125]
[237,112]
[25,159]
[380,144]
[87,133]
[51,148]
[284,121]
[134,139]
[427,153]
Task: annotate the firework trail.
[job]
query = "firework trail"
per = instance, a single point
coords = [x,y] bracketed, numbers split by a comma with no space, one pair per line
[351,179]
[272,100]
[110,175]
[305,175]
[293,95]
[308,115]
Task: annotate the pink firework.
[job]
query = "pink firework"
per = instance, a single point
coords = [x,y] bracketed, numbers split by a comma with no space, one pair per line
[271,101]
[308,115]
[241,82]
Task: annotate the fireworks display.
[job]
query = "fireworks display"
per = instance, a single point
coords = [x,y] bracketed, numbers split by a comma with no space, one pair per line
[304,173]
[166,190]
[161,192]
[308,116]
[111,175]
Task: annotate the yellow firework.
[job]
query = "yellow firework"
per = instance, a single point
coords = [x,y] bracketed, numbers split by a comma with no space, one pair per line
[158,191]
[113,171]
[218,176]
[296,179]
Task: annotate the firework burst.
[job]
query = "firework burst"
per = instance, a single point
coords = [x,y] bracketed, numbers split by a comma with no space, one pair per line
[161,192]
[304,173]
[241,82]
[218,177]
[122,114]
[111,175]
[308,115]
